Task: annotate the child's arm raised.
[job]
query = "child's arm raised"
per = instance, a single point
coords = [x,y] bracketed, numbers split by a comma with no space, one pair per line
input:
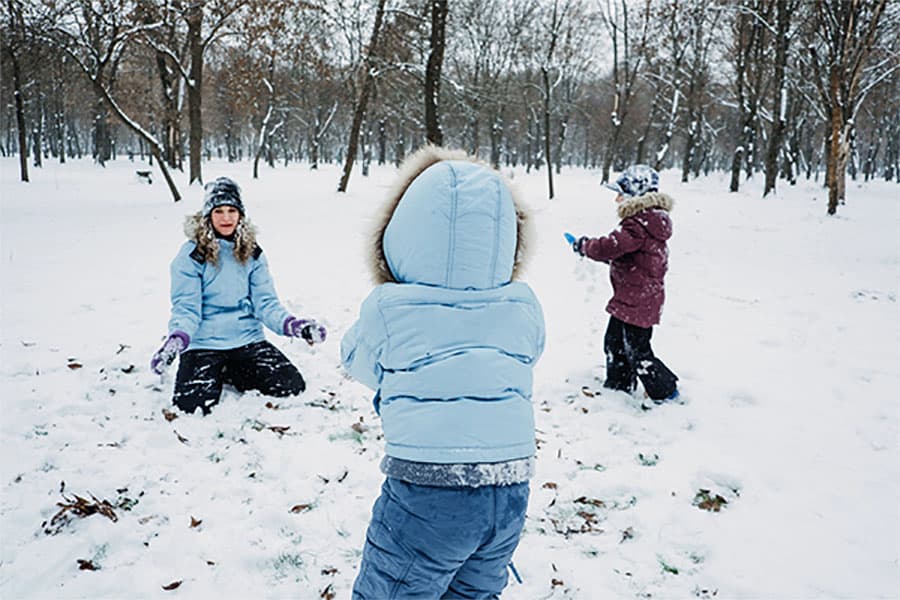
[627,238]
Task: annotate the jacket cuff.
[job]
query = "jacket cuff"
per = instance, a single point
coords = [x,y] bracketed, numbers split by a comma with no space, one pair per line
[286,326]
[182,336]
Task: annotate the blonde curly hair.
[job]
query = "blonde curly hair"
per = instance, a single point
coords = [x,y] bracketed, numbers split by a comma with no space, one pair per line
[200,229]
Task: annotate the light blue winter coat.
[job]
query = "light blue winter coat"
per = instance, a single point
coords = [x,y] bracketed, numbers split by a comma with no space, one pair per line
[450,347]
[224,306]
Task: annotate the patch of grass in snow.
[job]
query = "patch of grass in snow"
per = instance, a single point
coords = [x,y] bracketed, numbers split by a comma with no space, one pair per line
[648,460]
[706,500]
[666,567]
[286,564]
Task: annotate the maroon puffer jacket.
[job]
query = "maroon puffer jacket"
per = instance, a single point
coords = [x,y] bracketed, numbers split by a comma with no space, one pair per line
[638,258]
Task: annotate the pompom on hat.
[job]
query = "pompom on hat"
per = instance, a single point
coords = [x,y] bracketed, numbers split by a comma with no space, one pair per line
[222,192]
[635,181]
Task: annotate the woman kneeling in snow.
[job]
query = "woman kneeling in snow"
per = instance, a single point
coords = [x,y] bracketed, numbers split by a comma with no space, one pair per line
[222,295]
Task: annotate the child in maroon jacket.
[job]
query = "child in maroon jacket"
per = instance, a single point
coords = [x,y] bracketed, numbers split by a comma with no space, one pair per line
[637,255]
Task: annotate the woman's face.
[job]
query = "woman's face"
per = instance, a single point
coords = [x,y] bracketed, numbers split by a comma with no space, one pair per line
[225,219]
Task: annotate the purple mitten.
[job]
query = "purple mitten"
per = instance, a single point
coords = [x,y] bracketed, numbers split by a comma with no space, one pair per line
[308,329]
[174,344]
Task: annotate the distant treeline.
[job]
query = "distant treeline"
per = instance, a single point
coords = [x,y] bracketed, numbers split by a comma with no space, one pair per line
[778,89]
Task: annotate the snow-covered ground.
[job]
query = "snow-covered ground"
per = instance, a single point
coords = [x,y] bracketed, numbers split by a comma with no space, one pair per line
[783,324]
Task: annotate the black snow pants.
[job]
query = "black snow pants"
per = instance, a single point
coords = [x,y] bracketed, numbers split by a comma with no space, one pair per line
[629,357]
[260,366]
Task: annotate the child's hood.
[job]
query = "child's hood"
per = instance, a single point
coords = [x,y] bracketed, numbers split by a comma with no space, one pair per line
[452,222]
[651,211]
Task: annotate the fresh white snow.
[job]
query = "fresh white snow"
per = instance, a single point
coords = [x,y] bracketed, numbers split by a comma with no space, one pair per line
[783,323]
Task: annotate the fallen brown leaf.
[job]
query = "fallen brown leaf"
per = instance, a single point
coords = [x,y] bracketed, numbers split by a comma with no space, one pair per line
[591,501]
[79,507]
[169,415]
[87,565]
[172,586]
[195,522]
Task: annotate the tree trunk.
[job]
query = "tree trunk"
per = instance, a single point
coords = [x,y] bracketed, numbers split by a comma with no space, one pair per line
[155,146]
[363,100]
[171,115]
[20,115]
[831,165]
[195,117]
[690,144]
[611,150]
[563,129]
[102,145]
[670,129]
[651,119]
[496,137]
[545,75]
[433,132]
[736,159]
[382,141]
[37,133]
[779,100]
[60,120]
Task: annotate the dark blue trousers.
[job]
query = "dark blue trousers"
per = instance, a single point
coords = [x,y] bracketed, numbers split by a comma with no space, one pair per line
[629,357]
[260,366]
[440,542]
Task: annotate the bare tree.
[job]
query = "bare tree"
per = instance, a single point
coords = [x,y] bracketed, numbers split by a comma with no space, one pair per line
[362,101]
[750,70]
[668,78]
[846,30]
[702,22]
[95,36]
[14,45]
[553,21]
[491,35]
[627,55]
[785,11]
[201,33]
[169,65]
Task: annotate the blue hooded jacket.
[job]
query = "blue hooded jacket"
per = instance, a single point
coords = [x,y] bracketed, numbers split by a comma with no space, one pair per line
[223,306]
[450,344]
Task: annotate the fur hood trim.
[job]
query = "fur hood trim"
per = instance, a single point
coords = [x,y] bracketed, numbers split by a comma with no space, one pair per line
[199,229]
[414,165]
[632,206]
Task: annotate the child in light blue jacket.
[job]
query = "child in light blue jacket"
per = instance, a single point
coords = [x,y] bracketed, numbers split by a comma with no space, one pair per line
[448,342]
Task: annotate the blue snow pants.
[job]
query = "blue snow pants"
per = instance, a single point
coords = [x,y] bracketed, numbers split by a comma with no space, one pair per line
[440,542]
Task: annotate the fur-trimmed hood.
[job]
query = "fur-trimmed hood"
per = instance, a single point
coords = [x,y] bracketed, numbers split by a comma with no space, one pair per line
[658,225]
[199,229]
[450,221]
